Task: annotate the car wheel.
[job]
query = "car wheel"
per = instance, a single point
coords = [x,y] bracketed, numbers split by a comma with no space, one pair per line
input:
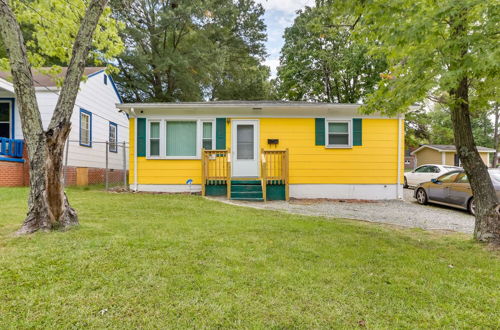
[472,206]
[421,196]
[405,185]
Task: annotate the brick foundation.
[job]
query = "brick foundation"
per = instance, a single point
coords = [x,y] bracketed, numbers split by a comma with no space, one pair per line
[13,174]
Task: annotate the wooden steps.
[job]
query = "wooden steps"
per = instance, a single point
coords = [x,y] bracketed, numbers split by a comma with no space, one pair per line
[247,190]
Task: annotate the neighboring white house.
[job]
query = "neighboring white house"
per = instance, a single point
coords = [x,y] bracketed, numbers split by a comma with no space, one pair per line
[95,119]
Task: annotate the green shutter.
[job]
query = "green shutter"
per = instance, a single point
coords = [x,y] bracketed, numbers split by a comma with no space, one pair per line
[357,132]
[220,133]
[141,137]
[320,131]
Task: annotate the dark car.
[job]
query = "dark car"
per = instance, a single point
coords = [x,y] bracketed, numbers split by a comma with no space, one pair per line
[453,189]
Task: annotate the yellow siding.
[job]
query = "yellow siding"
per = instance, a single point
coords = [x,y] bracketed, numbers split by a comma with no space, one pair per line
[162,171]
[431,156]
[375,162]
[428,156]
[486,158]
[450,158]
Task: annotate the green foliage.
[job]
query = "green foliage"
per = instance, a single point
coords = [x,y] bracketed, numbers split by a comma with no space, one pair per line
[435,127]
[320,61]
[50,28]
[420,42]
[417,130]
[177,261]
[192,50]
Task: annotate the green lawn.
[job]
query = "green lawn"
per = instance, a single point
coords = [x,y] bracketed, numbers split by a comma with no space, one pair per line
[156,261]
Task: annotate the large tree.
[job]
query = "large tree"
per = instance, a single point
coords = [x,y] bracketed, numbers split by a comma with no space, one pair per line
[447,51]
[191,50]
[320,61]
[63,30]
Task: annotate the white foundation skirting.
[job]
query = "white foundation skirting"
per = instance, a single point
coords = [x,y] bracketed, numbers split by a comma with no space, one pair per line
[331,191]
[346,191]
[168,188]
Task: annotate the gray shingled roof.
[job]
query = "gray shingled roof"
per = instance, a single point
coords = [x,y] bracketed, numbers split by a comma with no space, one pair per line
[44,80]
[448,147]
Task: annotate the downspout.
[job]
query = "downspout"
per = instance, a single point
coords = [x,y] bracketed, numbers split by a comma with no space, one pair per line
[398,187]
[136,188]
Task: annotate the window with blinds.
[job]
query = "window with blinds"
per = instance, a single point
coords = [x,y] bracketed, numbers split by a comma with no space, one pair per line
[339,134]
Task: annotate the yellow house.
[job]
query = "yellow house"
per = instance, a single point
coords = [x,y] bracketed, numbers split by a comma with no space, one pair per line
[443,154]
[265,150]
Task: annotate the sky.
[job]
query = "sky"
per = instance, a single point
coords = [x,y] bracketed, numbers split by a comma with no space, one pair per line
[279,15]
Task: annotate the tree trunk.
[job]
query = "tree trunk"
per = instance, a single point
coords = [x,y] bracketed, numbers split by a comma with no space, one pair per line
[487,227]
[48,206]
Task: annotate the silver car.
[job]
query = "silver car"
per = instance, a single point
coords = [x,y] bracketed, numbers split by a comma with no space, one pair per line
[453,189]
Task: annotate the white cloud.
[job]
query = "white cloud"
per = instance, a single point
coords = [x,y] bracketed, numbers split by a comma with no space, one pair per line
[279,15]
[288,6]
[273,64]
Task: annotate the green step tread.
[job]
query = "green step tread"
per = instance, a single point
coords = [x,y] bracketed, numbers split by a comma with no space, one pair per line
[247,194]
[244,188]
[246,182]
[247,199]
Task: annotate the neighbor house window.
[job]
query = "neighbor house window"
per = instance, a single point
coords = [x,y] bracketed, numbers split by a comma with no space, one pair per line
[113,137]
[181,138]
[5,120]
[85,128]
[105,79]
[154,138]
[208,135]
[339,134]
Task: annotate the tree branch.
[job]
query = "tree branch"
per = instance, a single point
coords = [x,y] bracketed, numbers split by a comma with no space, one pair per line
[21,73]
[64,108]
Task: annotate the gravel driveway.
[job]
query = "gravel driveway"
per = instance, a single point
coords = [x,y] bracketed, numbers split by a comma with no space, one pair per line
[405,212]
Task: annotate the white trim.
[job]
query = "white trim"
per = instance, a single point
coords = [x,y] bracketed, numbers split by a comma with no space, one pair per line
[331,191]
[135,152]
[163,138]
[443,158]
[399,192]
[88,142]
[202,121]
[349,132]
[4,84]
[345,191]
[234,147]
[180,110]
[169,188]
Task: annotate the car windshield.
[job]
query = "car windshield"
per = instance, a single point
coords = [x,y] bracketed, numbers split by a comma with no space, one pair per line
[495,175]
[449,177]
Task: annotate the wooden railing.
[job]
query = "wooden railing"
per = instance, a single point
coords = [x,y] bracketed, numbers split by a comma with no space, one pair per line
[274,169]
[216,169]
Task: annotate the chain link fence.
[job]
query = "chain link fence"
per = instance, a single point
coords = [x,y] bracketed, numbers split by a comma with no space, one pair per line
[96,163]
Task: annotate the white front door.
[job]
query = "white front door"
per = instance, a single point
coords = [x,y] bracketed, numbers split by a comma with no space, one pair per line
[245,148]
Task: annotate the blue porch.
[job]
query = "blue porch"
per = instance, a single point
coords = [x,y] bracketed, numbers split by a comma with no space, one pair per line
[11,150]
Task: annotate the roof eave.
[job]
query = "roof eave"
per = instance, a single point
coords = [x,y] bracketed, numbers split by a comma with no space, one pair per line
[8,86]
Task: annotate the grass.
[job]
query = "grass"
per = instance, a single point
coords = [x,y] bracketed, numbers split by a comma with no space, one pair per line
[156,261]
